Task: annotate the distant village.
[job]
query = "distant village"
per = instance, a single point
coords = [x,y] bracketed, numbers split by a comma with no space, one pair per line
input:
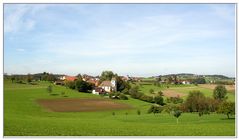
[108,86]
[103,87]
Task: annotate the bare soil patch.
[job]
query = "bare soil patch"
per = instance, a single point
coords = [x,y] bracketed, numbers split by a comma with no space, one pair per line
[81,105]
[212,86]
[172,93]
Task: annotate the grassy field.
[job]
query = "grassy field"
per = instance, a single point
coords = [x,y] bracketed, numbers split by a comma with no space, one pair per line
[23,116]
[182,89]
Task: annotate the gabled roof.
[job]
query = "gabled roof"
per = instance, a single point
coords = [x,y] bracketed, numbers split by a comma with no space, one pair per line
[106,83]
[71,78]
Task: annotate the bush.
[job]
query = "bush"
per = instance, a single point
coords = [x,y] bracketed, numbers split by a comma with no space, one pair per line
[83,86]
[114,95]
[155,109]
[33,83]
[134,92]
[125,91]
[136,95]
[123,97]
[147,98]
[21,82]
[175,100]
[49,89]
[138,112]
[159,100]
[169,108]
[71,84]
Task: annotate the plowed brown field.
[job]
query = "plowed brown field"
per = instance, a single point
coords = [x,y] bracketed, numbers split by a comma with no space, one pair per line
[81,105]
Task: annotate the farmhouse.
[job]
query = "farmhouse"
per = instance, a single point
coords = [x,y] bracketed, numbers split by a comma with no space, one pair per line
[109,86]
[98,91]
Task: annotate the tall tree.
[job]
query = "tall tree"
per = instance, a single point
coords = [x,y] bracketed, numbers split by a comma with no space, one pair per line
[196,102]
[79,77]
[169,80]
[220,92]
[177,114]
[29,78]
[106,75]
[227,108]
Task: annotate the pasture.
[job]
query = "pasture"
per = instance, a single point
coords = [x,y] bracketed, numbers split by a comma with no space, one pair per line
[25,116]
[183,90]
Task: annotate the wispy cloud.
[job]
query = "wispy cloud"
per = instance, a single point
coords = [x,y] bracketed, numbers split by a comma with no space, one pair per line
[15,17]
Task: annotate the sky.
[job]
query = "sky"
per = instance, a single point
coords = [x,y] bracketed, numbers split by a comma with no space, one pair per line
[129,39]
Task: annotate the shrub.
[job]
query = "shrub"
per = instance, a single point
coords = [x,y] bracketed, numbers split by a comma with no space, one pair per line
[123,97]
[21,82]
[83,86]
[138,112]
[175,100]
[155,109]
[151,91]
[159,100]
[136,95]
[169,108]
[71,84]
[125,91]
[49,89]
[147,98]
[33,83]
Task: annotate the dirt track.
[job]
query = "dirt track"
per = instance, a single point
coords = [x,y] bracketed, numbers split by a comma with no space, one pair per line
[212,86]
[81,105]
[171,93]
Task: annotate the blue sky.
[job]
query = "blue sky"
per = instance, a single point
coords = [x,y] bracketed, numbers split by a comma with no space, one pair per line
[129,39]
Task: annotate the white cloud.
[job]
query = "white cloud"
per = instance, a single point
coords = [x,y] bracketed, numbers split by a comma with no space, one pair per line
[15,19]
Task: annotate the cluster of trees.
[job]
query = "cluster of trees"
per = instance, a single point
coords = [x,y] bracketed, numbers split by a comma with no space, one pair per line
[80,85]
[174,110]
[199,80]
[135,93]
[224,82]
[29,78]
[198,102]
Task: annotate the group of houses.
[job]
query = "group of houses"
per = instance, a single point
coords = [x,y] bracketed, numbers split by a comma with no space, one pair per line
[103,87]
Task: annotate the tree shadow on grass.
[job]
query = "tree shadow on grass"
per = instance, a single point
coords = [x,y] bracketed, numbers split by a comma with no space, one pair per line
[54,94]
[227,118]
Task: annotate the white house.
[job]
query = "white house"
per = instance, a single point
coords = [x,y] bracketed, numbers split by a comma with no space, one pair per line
[185,82]
[109,86]
[98,91]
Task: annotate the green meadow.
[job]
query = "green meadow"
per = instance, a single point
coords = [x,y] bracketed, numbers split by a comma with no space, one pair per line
[23,116]
[184,89]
